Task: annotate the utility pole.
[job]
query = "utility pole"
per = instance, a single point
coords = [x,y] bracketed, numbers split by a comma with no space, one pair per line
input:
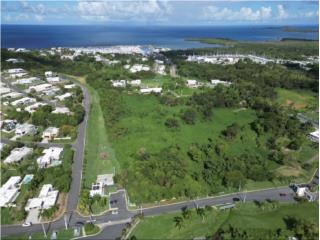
[65,217]
[44,231]
[245,196]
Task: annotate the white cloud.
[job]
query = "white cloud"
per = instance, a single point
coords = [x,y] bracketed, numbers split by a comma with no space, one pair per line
[281,13]
[311,14]
[213,13]
[39,18]
[123,10]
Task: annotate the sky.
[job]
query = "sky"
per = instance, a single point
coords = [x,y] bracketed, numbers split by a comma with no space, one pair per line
[160,12]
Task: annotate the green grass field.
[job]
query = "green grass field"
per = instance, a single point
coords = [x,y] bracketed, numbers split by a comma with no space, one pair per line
[299,100]
[243,216]
[146,129]
[99,156]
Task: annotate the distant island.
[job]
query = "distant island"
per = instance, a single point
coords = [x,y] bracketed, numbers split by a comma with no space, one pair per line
[297,29]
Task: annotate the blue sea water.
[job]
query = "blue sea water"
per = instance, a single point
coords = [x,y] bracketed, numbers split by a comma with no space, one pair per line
[40,36]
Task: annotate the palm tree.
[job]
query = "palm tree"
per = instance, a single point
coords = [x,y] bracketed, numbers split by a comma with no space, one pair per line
[186,213]
[201,213]
[178,222]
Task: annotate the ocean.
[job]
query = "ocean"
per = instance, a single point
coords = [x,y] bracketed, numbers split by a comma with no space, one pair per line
[40,36]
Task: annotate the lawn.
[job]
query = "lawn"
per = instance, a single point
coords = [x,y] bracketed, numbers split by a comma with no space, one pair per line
[244,216]
[99,155]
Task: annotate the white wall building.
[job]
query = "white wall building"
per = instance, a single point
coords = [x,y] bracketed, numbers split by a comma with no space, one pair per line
[23,101]
[47,198]
[9,191]
[63,96]
[69,86]
[40,87]
[25,128]
[51,157]
[53,79]
[314,136]
[61,110]
[48,74]
[23,81]
[192,83]
[118,83]
[96,189]
[150,90]
[136,82]
[17,154]
[50,133]
[32,108]
[215,82]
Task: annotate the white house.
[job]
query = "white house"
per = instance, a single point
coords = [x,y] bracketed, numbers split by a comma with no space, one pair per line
[48,74]
[118,83]
[50,133]
[192,83]
[47,198]
[150,90]
[63,96]
[69,86]
[51,157]
[4,90]
[139,67]
[32,108]
[9,191]
[136,82]
[26,80]
[314,136]
[40,87]
[53,79]
[215,82]
[15,60]
[61,110]
[25,128]
[12,95]
[96,189]
[23,101]
[16,70]
[17,154]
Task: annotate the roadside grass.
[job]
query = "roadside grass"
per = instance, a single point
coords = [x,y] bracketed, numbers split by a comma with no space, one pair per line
[61,235]
[244,216]
[99,155]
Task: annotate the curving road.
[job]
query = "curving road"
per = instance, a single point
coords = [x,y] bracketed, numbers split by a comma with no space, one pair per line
[112,225]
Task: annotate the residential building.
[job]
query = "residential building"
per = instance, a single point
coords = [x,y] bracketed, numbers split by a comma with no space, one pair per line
[150,90]
[61,110]
[96,189]
[50,133]
[8,125]
[17,154]
[47,198]
[32,108]
[24,81]
[139,67]
[69,86]
[192,83]
[118,83]
[314,136]
[4,90]
[16,70]
[40,87]
[63,96]
[15,60]
[215,82]
[51,157]
[25,128]
[48,74]
[9,191]
[136,82]
[23,101]
[12,95]
[53,79]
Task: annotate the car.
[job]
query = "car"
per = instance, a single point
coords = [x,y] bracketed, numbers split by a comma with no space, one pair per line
[236,199]
[114,212]
[282,194]
[27,224]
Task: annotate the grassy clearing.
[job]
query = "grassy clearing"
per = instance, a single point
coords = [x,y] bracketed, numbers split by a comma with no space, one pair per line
[244,216]
[299,100]
[99,155]
[146,129]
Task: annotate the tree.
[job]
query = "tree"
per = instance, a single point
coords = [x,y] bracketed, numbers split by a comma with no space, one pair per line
[172,123]
[189,116]
[201,212]
[179,223]
[234,179]
[231,131]
[186,213]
